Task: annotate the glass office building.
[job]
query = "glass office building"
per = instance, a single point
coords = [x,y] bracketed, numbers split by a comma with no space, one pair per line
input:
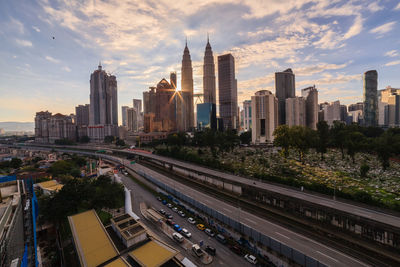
[206,116]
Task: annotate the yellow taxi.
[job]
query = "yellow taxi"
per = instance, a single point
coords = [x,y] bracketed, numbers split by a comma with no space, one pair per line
[201,227]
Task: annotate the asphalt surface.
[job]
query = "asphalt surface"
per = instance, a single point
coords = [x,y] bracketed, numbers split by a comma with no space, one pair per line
[224,257]
[323,201]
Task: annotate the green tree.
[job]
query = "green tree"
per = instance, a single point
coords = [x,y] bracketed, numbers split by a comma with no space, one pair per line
[282,138]
[364,168]
[338,133]
[301,139]
[109,139]
[245,137]
[323,138]
[120,142]
[15,163]
[384,147]
[354,142]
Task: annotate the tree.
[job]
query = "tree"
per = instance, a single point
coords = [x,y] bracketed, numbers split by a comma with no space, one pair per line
[301,139]
[323,138]
[282,138]
[364,168]
[338,133]
[384,147]
[15,163]
[84,139]
[245,138]
[109,139]
[354,142]
[120,142]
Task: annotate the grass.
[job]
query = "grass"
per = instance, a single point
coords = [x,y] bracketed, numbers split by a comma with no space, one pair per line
[105,217]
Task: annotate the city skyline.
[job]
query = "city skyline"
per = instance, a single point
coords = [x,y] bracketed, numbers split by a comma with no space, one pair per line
[48,56]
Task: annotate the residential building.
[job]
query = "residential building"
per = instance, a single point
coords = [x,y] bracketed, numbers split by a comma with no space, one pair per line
[310,95]
[331,112]
[284,88]
[82,115]
[389,107]
[209,75]
[149,101]
[49,128]
[295,111]
[137,104]
[227,85]
[132,119]
[124,115]
[247,115]
[370,89]
[264,117]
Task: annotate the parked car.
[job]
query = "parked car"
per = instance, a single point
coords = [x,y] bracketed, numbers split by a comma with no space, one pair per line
[182,214]
[162,211]
[209,232]
[250,258]
[177,228]
[186,233]
[175,209]
[197,250]
[164,202]
[168,216]
[191,220]
[236,249]
[169,205]
[201,227]
[221,238]
[159,199]
[170,222]
[178,237]
[210,250]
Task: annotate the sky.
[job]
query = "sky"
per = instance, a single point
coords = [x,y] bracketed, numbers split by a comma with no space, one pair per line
[327,43]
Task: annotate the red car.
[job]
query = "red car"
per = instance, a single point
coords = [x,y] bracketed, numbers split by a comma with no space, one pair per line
[170,222]
[236,249]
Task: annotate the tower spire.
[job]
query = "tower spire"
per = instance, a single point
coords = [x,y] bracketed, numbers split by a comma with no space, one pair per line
[186,41]
[208,38]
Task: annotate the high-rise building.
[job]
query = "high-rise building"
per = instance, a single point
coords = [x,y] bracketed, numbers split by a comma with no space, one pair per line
[284,88]
[209,75]
[165,115]
[149,101]
[357,106]
[247,115]
[264,117]
[370,80]
[172,79]
[124,115]
[227,86]
[132,122]
[331,112]
[50,128]
[82,115]
[137,104]
[295,111]
[187,109]
[206,116]
[343,113]
[310,94]
[103,98]
[389,107]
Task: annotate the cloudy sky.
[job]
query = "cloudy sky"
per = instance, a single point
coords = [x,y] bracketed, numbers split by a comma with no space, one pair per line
[329,43]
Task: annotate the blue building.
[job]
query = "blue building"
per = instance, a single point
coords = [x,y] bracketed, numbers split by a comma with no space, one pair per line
[206,116]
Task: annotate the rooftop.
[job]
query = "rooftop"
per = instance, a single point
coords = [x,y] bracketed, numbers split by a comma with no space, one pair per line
[153,254]
[51,185]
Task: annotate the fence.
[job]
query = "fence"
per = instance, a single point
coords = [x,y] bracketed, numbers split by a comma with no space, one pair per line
[242,228]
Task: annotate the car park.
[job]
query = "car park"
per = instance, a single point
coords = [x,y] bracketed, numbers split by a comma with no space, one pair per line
[175,209]
[182,214]
[169,205]
[162,211]
[201,227]
[197,250]
[178,237]
[186,233]
[209,232]
[191,220]
[221,238]
[210,250]
[250,258]
[177,228]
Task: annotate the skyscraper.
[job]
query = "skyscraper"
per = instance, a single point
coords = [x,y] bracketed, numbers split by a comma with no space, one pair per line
[209,75]
[124,115]
[295,111]
[103,98]
[284,88]
[247,115]
[265,116]
[370,80]
[82,115]
[137,104]
[172,79]
[227,85]
[187,90]
[310,94]
[132,122]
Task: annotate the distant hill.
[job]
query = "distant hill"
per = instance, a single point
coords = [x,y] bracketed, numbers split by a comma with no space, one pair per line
[17,126]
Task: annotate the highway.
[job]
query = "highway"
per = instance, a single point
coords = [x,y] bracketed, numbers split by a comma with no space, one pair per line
[323,201]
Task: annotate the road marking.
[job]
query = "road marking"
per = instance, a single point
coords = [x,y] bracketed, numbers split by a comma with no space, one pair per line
[282,235]
[247,219]
[326,255]
[227,210]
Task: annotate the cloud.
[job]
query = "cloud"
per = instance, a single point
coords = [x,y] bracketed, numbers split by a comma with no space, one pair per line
[36,28]
[391,53]
[330,40]
[392,63]
[330,79]
[66,69]
[355,29]
[25,43]
[51,59]
[380,30]
[397,7]
[317,68]
[374,7]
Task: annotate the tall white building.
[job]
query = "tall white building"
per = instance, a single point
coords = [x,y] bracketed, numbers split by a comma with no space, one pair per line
[310,94]
[264,107]
[247,115]
[331,112]
[295,109]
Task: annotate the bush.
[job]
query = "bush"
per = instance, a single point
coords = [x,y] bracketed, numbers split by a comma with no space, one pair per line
[364,168]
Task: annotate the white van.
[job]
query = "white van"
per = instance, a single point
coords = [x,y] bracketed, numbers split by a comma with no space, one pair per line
[196,248]
[178,237]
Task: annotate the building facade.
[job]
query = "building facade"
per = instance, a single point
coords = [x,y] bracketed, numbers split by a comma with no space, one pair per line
[227,85]
[186,107]
[132,119]
[50,128]
[284,88]
[370,90]
[209,76]
[124,115]
[82,115]
[264,118]
[206,116]
[247,115]
[310,94]
[331,112]
[295,111]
